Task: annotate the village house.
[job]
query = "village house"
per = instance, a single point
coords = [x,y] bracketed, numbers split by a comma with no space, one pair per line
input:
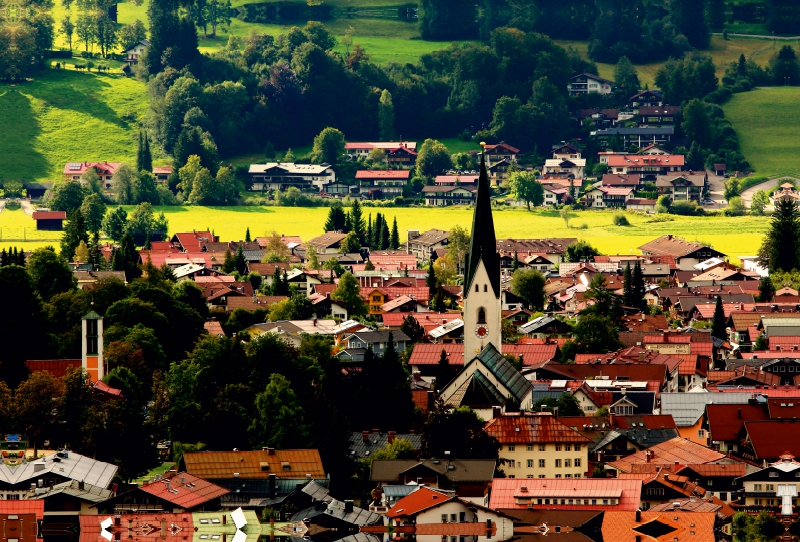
[401,153]
[565,494]
[282,175]
[172,493]
[660,114]
[683,187]
[641,204]
[646,98]
[382,184]
[74,171]
[424,245]
[586,83]
[774,487]
[49,220]
[687,254]
[133,53]
[443,195]
[501,151]
[162,173]
[641,137]
[602,197]
[378,341]
[553,249]
[554,193]
[599,118]
[648,165]
[537,445]
[468,478]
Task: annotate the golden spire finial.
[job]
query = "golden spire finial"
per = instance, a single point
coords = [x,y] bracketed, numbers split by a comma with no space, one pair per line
[483,144]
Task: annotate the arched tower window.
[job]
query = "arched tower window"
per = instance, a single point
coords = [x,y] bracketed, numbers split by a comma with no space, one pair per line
[477,288]
[485,288]
[481,315]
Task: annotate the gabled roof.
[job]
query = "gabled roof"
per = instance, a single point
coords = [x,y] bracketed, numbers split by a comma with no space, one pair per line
[506,492]
[465,470]
[398,174]
[674,246]
[539,427]
[82,491]
[687,408]
[502,369]
[254,464]
[659,527]
[421,499]
[49,215]
[592,76]
[287,167]
[184,490]
[68,465]
[771,438]
[725,421]
[678,450]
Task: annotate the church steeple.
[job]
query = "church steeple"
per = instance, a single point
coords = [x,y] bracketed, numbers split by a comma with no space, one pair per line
[483,243]
[482,314]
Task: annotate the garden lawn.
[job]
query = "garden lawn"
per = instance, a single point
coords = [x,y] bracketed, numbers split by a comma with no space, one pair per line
[725,234]
[723,52]
[66,116]
[18,229]
[766,120]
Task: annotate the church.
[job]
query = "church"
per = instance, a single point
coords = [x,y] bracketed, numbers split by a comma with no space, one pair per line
[488,381]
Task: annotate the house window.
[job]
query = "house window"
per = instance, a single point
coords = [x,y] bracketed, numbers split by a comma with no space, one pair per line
[542,447]
[558,463]
[558,447]
[577,462]
[773,474]
[577,475]
[529,447]
[757,487]
[444,518]
[567,463]
[770,487]
[511,448]
[530,463]
[701,433]
[477,288]
[558,476]
[758,502]
[481,315]
[541,463]
[453,518]
[530,476]
[567,447]
[485,288]
[577,447]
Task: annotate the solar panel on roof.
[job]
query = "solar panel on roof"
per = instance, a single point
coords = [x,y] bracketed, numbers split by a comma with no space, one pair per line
[74,166]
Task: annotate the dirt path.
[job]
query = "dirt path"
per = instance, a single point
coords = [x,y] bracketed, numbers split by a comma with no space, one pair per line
[26,206]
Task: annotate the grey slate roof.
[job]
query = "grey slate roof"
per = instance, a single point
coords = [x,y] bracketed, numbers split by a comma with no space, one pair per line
[466,470]
[89,492]
[372,337]
[73,466]
[336,509]
[377,441]
[686,408]
[502,369]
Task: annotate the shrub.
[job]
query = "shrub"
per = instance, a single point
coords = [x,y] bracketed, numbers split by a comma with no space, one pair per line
[686,208]
[621,220]
[583,226]
[399,201]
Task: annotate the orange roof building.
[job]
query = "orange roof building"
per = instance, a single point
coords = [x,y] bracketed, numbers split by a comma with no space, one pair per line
[677,450]
[566,494]
[254,464]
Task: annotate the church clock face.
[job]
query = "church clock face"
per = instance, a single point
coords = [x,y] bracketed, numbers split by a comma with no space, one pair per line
[481,331]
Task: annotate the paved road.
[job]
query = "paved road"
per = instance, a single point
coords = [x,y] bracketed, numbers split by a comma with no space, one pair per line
[761,36]
[768,186]
[26,206]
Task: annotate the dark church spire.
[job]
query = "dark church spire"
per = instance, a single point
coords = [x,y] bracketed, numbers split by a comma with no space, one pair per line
[482,243]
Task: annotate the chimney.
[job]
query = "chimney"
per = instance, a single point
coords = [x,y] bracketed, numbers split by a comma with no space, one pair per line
[270,451]
[365,436]
[272,482]
[376,431]
[81,485]
[638,517]
[348,506]
[392,435]
[167,485]
[555,412]
[495,412]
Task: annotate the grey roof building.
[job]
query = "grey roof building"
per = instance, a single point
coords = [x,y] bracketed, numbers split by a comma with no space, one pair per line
[687,408]
[365,443]
[63,465]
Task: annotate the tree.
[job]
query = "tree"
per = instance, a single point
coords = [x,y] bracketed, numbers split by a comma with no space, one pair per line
[81,253]
[86,30]
[336,218]
[115,222]
[348,293]
[528,284]
[74,233]
[431,282]
[458,244]
[580,251]
[567,405]
[735,207]
[460,432]
[626,78]
[144,158]
[596,333]
[694,159]
[386,116]
[761,343]
[638,288]
[718,323]
[131,34]
[67,29]
[780,250]
[278,420]
[240,262]
[357,223]
[627,286]
[124,178]
[785,67]
[126,258]
[350,244]
[432,158]
[34,400]
[247,238]
[766,290]
[67,196]
[525,187]
[446,270]
[276,250]
[566,214]
[412,329]
[394,241]
[758,202]
[105,33]
[690,18]
[93,210]
[731,188]
[377,156]
[696,123]
[50,273]
[311,258]
[328,146]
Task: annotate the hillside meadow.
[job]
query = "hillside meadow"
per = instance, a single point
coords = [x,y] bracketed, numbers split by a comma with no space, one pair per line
[230,223]
[766,120]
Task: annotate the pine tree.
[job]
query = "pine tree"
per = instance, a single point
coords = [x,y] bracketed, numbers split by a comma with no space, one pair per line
[369,235]
[376,231]
[639,288]
[126,258]
[3,258]
[147,157]
[140,153]
[385,235]
[357,222]
[718,323]
[276,282]
[240,263]
[228,265]
[515,263]
[394,242]
[627,287]
[431,280]
[74,233]
[781,247]
[247,236]
[766,290]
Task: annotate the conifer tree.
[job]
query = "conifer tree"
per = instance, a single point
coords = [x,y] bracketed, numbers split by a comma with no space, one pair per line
[139,153]
[781,248]
[718,323]
[627,286]
[247,238]
[515,263]
[639,287]
[228,264]
[431,280]
[147,157]
[385,235]
[394,242]
[276,281]
[369,235]
[765,290]
[357,224]
[240,263]
[376,231]
[74,233]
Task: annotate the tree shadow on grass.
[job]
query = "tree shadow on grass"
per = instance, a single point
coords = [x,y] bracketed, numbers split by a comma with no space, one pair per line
[79,92]
[19,160]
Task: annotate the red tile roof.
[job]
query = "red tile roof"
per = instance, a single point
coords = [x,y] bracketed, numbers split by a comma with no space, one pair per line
[184,490]
[680,527]
[666,453]
[400,174]
[31,506]
[641,160]
[529,428]
[49,215]
[725,421]
[395,319]
[416,502]
[214,328]
[56,367]
[637,372]
[532,354]
[505,491]
[79,168]
[255,464]
[771,438]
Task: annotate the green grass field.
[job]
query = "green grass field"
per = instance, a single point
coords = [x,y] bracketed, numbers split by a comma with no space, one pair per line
[722,51]
[766,120]
[725,234]
[65,116]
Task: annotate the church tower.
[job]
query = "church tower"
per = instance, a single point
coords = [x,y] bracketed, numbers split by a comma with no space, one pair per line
[92,345]
[482,314]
